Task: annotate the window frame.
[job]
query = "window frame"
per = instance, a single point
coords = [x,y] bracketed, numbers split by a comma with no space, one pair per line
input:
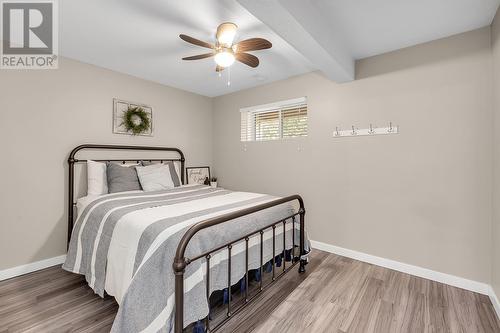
[250,134]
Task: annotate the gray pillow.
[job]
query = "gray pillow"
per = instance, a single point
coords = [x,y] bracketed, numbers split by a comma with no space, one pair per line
[173,172]
[121,178]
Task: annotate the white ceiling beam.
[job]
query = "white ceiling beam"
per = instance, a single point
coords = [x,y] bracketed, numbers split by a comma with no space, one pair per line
[303,27]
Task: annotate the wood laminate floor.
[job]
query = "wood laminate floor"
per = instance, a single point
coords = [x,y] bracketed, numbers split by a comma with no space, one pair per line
[336,294]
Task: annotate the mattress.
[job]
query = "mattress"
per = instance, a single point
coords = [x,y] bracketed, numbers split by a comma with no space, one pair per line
[124,244]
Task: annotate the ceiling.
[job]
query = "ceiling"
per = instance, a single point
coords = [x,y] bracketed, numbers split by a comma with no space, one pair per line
[140,38]
[376,27]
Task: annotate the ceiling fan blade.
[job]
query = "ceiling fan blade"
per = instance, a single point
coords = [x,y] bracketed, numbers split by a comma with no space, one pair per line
[219,68]
[253,44]
[247,59]
[199,56]
[195,41]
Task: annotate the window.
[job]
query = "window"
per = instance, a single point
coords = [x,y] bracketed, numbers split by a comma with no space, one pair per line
[281,120]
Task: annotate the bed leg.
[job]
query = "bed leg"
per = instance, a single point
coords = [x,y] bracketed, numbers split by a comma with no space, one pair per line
[179,266]
[303,262]
[302,266]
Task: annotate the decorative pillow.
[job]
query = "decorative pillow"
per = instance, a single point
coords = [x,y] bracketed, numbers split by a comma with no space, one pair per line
[97,183]
[155,177]
[121,179]
[173,171]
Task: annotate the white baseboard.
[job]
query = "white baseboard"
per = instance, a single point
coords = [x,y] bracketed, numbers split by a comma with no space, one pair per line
[31,267]
[495,301]
[425,273]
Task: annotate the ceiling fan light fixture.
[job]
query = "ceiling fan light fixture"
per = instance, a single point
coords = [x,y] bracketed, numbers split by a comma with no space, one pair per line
[226,33]
[224,58]
[225,51]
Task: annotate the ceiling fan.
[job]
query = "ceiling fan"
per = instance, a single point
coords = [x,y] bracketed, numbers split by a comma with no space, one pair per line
[225,51]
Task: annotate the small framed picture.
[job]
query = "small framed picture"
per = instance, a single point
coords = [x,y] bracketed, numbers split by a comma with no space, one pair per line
[197,175]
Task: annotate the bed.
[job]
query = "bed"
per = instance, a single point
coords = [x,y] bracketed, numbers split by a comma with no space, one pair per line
[162,254]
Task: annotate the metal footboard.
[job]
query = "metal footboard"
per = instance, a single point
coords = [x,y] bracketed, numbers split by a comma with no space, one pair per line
[181,262]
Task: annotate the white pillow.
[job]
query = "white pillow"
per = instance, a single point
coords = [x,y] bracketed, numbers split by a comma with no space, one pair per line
[155,177]
[97,182]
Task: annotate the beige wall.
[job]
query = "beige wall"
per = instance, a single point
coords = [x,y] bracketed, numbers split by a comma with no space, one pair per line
[495,39]
[422,197]
[44,114]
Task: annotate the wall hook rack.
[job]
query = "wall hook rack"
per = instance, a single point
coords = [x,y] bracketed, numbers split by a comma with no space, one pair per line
[369,131]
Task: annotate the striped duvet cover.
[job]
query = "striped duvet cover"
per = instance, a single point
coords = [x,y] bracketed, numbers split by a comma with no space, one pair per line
[124,244]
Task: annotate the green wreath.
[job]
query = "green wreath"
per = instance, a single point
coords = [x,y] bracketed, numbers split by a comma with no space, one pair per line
[136,120]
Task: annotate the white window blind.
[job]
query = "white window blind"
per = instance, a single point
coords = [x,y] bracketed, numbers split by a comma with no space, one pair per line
[281,120]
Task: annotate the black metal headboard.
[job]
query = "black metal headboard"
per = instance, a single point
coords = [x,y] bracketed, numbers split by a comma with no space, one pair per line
[72,160]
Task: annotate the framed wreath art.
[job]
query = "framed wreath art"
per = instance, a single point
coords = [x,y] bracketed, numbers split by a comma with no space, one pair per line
[132,118]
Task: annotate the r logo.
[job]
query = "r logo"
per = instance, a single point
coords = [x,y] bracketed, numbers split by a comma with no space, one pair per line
[27,28]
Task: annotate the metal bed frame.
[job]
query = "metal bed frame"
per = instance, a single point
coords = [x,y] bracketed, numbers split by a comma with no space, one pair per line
[181,262]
